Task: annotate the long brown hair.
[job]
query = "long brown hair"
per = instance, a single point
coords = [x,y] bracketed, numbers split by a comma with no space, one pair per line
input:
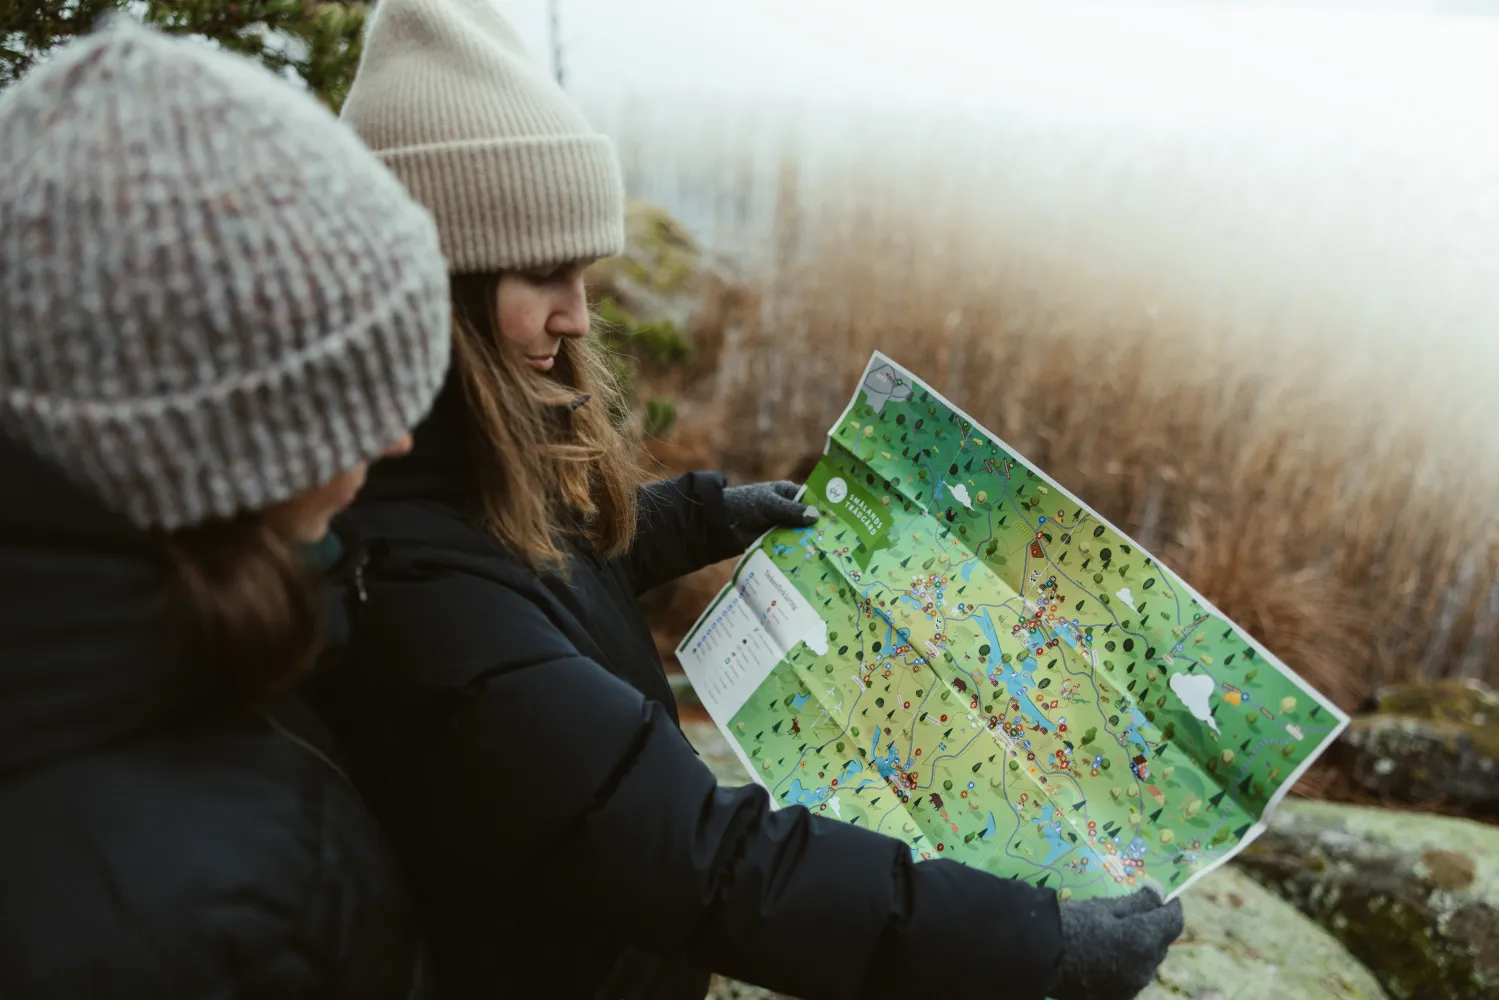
[552,455]
[252,606]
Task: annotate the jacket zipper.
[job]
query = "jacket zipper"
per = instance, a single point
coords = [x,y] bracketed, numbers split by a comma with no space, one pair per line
[309,748]
[360,562]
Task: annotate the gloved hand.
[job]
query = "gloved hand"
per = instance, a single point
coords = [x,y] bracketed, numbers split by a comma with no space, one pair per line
[1111,948]
[755,509]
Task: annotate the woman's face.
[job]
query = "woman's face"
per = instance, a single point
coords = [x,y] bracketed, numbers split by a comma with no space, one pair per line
[537,309]
[304,518]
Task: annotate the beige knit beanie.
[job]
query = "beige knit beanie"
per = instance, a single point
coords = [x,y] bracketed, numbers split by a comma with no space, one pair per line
[482,136]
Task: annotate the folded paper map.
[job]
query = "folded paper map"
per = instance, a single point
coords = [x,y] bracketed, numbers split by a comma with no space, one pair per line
[964,656]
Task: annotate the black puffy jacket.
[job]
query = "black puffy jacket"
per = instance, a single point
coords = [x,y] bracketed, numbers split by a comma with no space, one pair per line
[521,743]
[154,843]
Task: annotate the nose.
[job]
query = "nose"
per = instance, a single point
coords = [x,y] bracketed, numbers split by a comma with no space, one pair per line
[569,316]
[400,447]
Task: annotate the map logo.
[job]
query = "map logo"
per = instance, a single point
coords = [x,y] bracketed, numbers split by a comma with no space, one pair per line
[836,490]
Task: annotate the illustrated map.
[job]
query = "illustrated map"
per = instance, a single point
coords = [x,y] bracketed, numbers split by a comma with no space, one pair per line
[962,655]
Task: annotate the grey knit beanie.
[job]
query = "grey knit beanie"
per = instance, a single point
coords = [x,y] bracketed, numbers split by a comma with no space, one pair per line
[484,138]
[212,296]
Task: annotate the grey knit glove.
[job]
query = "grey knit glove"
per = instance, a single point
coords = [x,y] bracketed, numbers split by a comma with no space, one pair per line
[754,510]
[1111,948]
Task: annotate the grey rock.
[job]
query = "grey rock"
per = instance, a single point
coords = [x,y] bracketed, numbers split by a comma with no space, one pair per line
[1434,745]
[1413,896]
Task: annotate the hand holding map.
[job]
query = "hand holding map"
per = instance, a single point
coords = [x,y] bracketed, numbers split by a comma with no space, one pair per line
[962,655]
[1112,945]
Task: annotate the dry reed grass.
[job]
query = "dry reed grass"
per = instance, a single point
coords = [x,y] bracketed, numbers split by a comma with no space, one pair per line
[1319,516]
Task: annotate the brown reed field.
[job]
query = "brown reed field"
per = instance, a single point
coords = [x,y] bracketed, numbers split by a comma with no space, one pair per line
[1326,482]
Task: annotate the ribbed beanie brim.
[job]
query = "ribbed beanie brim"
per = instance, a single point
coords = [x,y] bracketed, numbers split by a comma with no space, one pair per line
[212,295]
[510,169]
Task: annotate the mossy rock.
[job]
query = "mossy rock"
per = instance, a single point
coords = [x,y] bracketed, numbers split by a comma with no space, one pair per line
[1413,896]
[728,989]
[1434,745]
[644,298]
[1242,942]
[1459,702]
[656,281]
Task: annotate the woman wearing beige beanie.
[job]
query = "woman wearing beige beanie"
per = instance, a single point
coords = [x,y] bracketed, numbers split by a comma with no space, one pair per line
[504,696]
[216,309]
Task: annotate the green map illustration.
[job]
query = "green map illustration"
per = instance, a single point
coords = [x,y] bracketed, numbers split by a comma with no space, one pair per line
[962,655]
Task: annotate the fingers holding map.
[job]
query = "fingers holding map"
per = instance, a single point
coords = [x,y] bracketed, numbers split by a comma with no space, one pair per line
[962,655]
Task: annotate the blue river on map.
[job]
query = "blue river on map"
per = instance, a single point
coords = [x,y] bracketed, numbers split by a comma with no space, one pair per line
[1057,843]
[1017,682]
[887,764]
[803,796]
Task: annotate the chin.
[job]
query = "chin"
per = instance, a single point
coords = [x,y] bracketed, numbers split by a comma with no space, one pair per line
[314,533]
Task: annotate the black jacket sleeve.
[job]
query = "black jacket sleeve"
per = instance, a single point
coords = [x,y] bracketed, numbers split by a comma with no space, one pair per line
[683,527]
[555,778]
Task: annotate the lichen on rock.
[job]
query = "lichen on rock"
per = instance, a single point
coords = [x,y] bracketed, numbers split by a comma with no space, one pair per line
[652,288]
[1414,896]
[729,989]
[1433,744]
[643,300]
[1243,942]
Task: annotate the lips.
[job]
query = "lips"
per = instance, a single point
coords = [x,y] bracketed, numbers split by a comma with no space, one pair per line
[543,363]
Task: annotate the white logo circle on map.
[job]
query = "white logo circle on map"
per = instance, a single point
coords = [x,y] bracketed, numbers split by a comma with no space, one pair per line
[836,490]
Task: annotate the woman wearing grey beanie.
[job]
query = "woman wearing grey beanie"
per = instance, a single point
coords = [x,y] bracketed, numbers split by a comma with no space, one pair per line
[504,696]
[216,308]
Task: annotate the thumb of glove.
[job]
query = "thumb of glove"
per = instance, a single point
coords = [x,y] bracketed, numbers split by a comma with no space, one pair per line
[757,508]
[1109,955]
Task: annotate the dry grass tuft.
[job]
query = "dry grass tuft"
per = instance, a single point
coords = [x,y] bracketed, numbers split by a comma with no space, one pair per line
[1339,522]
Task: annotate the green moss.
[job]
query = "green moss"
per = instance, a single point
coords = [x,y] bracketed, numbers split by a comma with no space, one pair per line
[641,298]
[1414,897]
[660,416]
[1466,703]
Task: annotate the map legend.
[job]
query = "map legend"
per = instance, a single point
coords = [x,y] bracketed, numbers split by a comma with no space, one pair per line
[744,635]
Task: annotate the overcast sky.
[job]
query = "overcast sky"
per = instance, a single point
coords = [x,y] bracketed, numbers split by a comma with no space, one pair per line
[1280,66]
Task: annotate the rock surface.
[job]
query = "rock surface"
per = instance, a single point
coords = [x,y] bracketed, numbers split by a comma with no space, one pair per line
[728,989]
[1434,745]
[1413,896]
[645,297]
[652,288]
[1242,941]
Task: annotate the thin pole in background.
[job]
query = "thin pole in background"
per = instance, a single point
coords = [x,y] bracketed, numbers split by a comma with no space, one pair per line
[555,17]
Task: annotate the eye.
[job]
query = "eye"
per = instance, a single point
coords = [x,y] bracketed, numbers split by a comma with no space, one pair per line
[553,274]
[545,275]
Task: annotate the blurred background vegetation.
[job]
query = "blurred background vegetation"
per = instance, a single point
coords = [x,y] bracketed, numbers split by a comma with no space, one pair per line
[316,42]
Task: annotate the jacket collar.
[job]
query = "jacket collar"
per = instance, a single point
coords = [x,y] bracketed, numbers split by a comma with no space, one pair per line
[439,466]
[90,648]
